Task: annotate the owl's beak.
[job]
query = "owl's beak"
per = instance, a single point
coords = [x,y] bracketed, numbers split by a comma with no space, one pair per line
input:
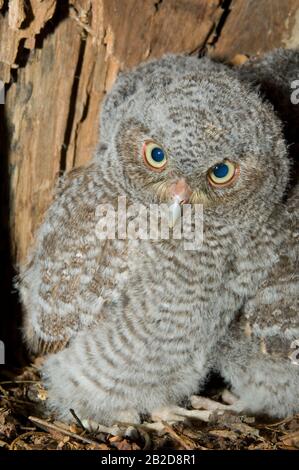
[180,193]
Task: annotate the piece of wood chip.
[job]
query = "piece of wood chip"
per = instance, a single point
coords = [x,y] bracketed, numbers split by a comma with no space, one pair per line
[16,14]
[239,59]
[45,425]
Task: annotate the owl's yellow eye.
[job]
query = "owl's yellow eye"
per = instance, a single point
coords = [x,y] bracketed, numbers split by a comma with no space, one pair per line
[223,174]
[154,156]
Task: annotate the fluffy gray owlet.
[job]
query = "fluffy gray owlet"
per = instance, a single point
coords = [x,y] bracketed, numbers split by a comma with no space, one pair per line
[140,323]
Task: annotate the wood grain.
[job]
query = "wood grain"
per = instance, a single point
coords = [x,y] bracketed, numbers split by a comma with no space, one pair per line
[253,27]
[37,109]
[13,33]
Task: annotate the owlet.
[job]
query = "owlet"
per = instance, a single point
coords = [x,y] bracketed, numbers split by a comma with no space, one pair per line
[135,323]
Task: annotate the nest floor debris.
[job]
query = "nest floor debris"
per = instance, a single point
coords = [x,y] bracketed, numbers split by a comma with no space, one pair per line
[23,426]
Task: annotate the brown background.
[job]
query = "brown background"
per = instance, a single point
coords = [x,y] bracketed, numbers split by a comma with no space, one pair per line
[58,59]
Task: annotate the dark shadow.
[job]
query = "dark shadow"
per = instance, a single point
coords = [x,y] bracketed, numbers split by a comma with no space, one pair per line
[4,7]
[61,13]
[73,103]
[274,78]
[289,115]
[10,317]
[29,16]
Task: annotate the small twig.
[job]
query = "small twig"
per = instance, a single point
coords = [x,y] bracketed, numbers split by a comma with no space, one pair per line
[5,392]
[21,437]
[77,419]
[41,423]
[27,428]
[290,436]
[15,400]
[6,382]
[284,421]
[184,441]
[146,437]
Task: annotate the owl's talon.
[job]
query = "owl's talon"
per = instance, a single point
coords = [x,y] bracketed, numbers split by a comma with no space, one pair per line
[131,432]
[122,427]
[228,397]
[158,426]
[174,414]
[203,403]
[233,403]
[96,428]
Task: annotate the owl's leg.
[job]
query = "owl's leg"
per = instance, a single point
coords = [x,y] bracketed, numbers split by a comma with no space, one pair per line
[106,386]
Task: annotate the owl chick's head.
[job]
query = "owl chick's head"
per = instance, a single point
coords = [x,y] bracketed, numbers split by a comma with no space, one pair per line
[188,129]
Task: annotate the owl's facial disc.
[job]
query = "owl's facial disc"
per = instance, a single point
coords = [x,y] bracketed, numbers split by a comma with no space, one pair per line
[178,192]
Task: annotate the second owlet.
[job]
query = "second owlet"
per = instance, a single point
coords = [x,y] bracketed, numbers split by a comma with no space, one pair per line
[135,326]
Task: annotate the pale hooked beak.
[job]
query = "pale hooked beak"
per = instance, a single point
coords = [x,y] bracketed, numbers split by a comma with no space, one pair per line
[180,193]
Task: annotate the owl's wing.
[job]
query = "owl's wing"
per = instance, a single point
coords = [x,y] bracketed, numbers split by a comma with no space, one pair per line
[71,273]
[272,316]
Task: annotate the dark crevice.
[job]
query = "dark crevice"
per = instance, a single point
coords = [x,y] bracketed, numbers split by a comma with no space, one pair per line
[21,60]
[202,50]
[85,109]
[72,108]
[83,117]
[22,54]
[4,8]
[157,5]
[215,31]
[29,16]
[226,4]
[60,14]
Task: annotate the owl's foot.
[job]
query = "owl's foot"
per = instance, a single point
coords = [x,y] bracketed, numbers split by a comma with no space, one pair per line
[203,403]
[173,414]
[229,398]
[122,427]
[95,428]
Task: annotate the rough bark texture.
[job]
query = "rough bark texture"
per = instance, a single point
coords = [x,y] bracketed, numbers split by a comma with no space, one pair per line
[58,58]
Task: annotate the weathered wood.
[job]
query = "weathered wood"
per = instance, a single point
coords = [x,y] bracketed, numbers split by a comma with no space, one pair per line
[256,26]
[37,110]
[13,33]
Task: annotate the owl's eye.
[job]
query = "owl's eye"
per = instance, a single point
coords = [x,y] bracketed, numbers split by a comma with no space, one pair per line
[223,174]
[154,156]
